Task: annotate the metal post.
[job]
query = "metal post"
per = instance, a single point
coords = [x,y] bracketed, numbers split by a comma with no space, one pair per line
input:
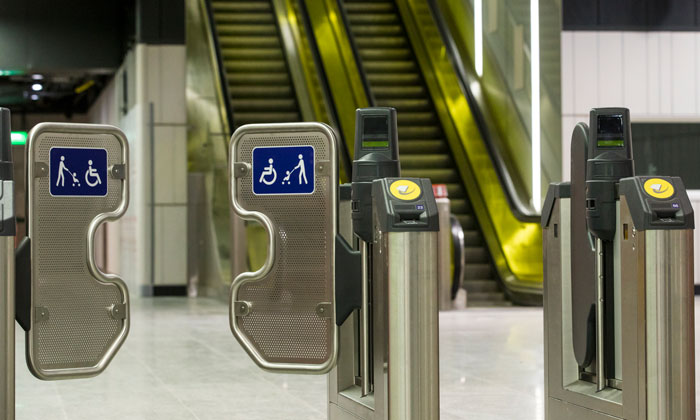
[414,374]
[600,315]
[7,271]
[365,355]
[7,327]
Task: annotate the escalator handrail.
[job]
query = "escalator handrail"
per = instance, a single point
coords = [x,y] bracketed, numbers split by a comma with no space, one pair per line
[521,210]
[343,152]
[219,68]
[356,53]
[347,89]
[514,245]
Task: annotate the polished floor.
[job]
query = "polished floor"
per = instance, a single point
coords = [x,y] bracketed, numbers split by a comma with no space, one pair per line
[180,362]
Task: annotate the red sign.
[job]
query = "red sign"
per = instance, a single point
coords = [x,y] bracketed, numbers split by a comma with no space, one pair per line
[440,190]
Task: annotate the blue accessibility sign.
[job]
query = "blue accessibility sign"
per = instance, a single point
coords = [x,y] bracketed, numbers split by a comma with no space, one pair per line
[283,170]
[78,171]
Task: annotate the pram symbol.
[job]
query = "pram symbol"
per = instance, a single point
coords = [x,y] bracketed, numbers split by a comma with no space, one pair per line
[295,165]
[78,171]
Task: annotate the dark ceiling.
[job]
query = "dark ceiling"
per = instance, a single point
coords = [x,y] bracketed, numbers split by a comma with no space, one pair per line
[47,93]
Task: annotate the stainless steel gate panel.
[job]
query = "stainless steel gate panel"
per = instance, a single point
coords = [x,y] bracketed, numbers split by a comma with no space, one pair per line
[284,313]
[79,315]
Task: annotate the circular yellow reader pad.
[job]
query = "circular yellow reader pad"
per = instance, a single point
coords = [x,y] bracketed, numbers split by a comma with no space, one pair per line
[658,188]
[404,189]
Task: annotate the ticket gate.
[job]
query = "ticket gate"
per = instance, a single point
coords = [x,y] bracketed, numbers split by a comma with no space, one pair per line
[618,284]
[75,316]
[349,285]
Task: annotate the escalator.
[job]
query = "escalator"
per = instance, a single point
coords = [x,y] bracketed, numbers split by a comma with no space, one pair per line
[252,58]
[394,78]
[319,60]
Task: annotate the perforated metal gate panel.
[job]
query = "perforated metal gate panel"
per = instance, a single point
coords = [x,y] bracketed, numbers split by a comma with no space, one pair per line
[79,315]
[284,313]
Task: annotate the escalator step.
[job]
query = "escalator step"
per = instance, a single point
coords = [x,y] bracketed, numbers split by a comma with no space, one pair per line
[401,79]
[487,300]
[478,271]
[374,19]
[424,161]
[269,104]
[265,117]
[376,30]
[239,91]
[472,237]
[244,6]
[459,205]
[381,41]
[480,286]
[404,105]
[389,66]
[368,7]
[407,147]
[420,131]
[247,78]
[476,254]
[245,29]
[247,18]
[250,42]
[233,53]
[255,65]
[385,54]
[406,118]
[398,91]
[467,221]
[455,191]
[437,175]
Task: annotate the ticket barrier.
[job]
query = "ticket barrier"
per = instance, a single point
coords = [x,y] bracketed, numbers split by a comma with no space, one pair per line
[618,284]
[75,316]
[350,281]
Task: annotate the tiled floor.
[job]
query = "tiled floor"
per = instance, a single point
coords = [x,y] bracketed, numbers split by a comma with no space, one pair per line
[181,362]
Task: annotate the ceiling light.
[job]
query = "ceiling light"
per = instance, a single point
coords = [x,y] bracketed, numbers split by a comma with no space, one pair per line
[34,97]
[36,87]
[37,76]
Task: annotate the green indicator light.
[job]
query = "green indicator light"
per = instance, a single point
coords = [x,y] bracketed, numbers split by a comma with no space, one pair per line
[611,143]
[10,72]
[18,137]
[375,144]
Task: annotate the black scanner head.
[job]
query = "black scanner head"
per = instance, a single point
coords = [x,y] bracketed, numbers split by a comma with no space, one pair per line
[610,145]
[376,144]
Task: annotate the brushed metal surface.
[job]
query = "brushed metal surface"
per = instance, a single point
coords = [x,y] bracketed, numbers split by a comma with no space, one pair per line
[414,375]
[79,335]
[670,324]
[281,329]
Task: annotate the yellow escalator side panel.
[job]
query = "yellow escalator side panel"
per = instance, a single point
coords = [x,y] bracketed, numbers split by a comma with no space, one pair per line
[516,247]
[339,62]
[513,134]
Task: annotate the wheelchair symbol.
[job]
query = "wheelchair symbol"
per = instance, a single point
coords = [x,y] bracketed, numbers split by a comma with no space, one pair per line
[92,173]
[268,170]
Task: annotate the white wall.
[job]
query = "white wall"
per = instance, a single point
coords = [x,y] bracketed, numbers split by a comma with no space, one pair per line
[155,76]
[654,74]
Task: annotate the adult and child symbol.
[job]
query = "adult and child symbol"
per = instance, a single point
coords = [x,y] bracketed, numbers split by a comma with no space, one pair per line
[297,162]
[78,171]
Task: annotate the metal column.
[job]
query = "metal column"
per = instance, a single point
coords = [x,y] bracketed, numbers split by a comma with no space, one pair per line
[413,326]
[7,271]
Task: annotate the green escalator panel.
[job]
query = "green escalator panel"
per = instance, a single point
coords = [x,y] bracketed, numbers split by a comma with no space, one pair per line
[395,80]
